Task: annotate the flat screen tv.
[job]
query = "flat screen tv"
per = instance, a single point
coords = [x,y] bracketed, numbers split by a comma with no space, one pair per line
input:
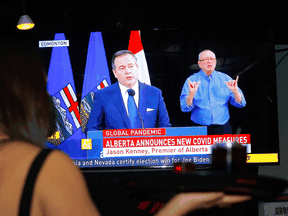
[171,56]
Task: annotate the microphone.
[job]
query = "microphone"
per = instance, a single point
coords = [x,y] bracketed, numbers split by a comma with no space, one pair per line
[131,92]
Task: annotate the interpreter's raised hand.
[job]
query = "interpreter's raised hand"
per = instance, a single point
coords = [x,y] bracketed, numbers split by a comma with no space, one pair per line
[193,86]
[233,84]
[184,203]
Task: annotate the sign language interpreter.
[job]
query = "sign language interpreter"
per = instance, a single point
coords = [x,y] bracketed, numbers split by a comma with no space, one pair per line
[206,95]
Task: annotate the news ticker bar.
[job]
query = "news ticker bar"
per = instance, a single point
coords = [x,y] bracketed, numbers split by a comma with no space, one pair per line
[142,161]
[161,161]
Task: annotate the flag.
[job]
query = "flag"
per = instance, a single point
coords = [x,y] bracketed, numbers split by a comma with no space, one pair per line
[135,46]
[96,75]
[71,103]
[60,85]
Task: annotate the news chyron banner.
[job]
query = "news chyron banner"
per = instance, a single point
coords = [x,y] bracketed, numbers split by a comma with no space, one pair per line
[153,147]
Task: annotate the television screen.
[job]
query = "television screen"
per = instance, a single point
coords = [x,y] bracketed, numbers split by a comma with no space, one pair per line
[79,64]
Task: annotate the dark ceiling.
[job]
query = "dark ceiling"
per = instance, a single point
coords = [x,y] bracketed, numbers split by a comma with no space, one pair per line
[91,15]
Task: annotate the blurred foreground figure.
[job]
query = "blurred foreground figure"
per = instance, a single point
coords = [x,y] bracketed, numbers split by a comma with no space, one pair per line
[38,181]
[58,188]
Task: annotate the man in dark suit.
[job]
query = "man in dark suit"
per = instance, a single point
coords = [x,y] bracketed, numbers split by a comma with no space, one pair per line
[113,106]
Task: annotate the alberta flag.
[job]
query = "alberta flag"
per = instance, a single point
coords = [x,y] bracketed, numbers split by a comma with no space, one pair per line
[136,47]
[96,75]
[60,85]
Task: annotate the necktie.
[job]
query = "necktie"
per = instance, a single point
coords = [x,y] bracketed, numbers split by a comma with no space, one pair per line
[132,110]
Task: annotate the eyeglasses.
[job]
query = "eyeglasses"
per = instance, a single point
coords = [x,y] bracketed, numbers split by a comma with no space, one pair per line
[208,59]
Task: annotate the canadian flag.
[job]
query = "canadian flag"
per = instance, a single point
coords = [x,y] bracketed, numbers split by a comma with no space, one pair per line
[135,46]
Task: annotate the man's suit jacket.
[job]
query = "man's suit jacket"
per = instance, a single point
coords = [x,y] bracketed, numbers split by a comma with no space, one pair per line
[109,111]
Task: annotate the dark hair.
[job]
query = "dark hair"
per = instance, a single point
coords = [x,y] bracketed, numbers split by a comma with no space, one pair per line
[24,110]
[121,53]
